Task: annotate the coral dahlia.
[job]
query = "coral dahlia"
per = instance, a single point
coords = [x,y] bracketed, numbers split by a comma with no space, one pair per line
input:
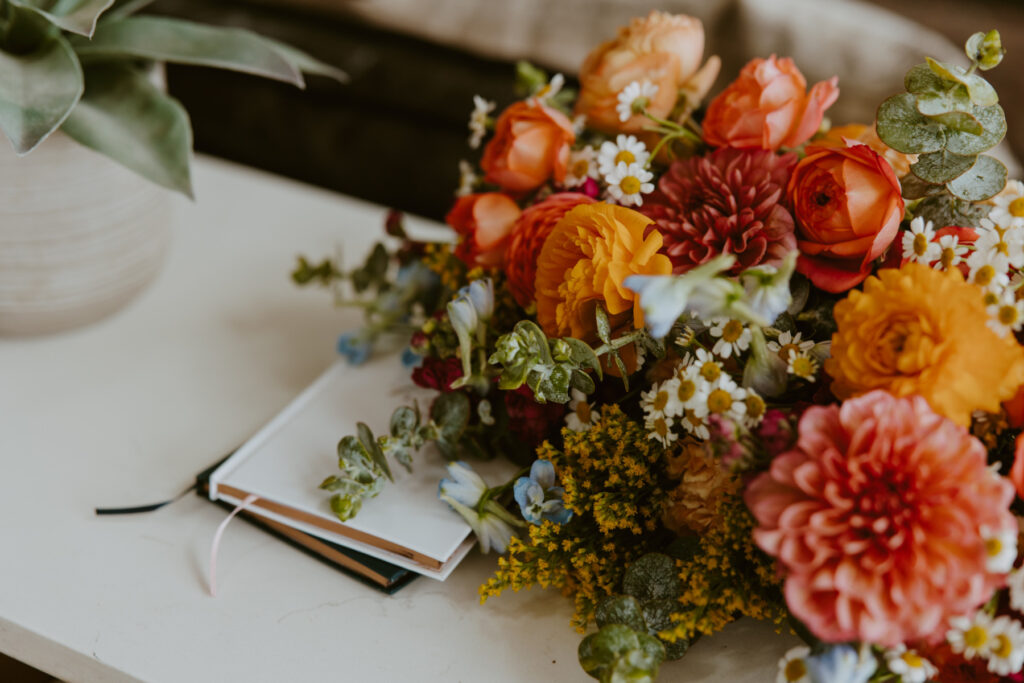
[726,202]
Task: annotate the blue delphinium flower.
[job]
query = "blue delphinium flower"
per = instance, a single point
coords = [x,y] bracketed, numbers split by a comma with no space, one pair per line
[463,491]
[539,498]
[841,664]
[355,347]
[410,358]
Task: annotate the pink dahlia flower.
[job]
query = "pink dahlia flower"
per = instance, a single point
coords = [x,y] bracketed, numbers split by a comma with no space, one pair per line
[875,518]
[724,203]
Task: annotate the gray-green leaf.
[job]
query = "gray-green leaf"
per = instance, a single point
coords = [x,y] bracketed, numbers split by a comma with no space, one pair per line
[369,443]
[38,91]
[127,118]
[993,124]
[981,91]
[921,79]
[652,577]
[76,16]
[985,179]
[305,63]
[903,128]
[944,102]
[941,167]
[959,121]
[621,609]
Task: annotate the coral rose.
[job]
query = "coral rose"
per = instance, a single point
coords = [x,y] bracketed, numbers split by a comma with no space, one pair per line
[876,516]
[1017,471]
[768,106]
[662,49]
[531,229]
[583,263]
[531,144]
[921,331]
[484,223]
[848,210]
[841,136]
[725,203]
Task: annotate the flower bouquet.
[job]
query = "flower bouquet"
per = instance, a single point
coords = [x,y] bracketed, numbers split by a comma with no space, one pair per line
[750,364]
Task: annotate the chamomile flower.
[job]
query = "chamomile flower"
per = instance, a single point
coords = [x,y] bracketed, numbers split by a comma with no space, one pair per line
[582,165]
[691,389]
[989,270]
[626,149]
[708,366]
[1000,241]
[1005,313]
[908,665]
[790,343]
[724,398]
[467,179]
[658,401]
[732,337]
[918,242]
[1015,582]
[793,666]
[694,424]
[579,124]
[479,120]
[581,413]
[628,184]
[1008,205]
[755,409]
[635,98]
[1000,549]
[1006,654]
[802,365]
[548,91]
[951,252]
[971,636]
[659,428]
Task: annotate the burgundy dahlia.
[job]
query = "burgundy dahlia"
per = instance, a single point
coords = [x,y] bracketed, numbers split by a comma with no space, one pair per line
[727,202]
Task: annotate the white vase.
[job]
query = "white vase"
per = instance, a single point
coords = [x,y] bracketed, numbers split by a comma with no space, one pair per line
[80,236]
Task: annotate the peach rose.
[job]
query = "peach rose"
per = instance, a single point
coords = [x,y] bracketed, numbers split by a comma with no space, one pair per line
[858,132]
[768,106]
[531,144]
[848,210]
[663,49]
[484,223]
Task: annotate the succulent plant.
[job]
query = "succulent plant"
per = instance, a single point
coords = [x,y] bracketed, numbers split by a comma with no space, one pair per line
[85,67]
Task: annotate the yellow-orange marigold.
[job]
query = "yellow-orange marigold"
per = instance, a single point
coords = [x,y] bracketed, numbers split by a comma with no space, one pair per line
[584,261]
[921,331]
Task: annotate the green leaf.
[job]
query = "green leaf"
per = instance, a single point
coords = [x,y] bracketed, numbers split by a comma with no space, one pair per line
[944,102]
[961,121]
[403,421]
[993,123]
[621,609]
[38,91]
[921,79]
[451,413]
[369,443]
[583,382]
[529,79]
[617,654]
[985,179]
[183,42]
[512,377]
[981,91]
[305,63]
[914,188]
[583,355]
[127,118]
[903,128]
[948,210]
[941,167]
[652,577]
[124,8]
[604,328]
[76,16]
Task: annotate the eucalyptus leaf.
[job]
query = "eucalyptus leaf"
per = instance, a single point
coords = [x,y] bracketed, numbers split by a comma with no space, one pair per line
[76,16]
[369,443]
[993,123]
[38,91]
[184,42]
[946,101]
[451,413]
[948,210]
[652,577]
[127,118]
[959,121]
[985,179]
[403,421]
[903,128]
[583,355]
[583,382]
[914,188]
[620,609]
[941,167]
[512,377]
[921,79]
[981,91]
[604,328]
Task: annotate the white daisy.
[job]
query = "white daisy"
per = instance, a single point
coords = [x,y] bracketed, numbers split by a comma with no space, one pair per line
[659,428]
[725,398]
[1008,205]
[789,343]
[908,665]
[690,390]
[695,425]
[467,179]
[1015,582]
[989,270]
[793,666]
[582,165]
[971,636]
[579,124]
[918,242]
[548,91]
[628,184]
[1000,549]
[657,401]
[755,409]
[479,120]
[732,337]
[951,252]
[581,413]
[1006,655]
[626,148]
[708,366]
[1005,313]
[1008,242]
[802,365]
[635,98]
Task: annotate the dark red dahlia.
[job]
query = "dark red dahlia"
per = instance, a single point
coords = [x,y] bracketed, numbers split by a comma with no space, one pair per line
[727,202]
[532,422]
[437,373]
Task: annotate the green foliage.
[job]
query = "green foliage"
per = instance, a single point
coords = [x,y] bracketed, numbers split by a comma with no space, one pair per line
[618,654]
[549,367]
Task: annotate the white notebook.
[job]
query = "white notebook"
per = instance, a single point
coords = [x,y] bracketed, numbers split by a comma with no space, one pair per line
[406,524]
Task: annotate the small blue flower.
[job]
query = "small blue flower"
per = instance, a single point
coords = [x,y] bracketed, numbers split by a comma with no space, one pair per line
[539,498]
[492,526]
[841,664]
[410,358]
[481,293]
[355,347]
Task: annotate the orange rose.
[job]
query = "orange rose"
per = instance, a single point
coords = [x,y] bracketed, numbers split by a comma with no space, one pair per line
[922,331]
[768,106]
[858,132]
[663,49]
[484,222]
[528,236]
[848,209]
[531,144]
[1017,471]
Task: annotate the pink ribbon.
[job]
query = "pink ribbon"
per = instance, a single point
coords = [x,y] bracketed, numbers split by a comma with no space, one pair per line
[249,500]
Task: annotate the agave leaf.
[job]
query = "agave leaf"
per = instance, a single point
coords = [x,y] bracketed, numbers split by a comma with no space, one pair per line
[124,8]
[941,167]
[985,179]
[183,42]
[76,16]
[38,91]
[305,63]
[127,118]
[993,124]
[904,129]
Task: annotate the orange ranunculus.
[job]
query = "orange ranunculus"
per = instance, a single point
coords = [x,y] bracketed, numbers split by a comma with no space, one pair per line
[663,49]
[531,144]
[528,236]
[848,210]
[858,132]
[583,263]
[922,331]
[768,106]
[484,222]
[1017,471]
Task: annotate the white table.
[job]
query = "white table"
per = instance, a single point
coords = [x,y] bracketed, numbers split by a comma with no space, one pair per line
[128,410]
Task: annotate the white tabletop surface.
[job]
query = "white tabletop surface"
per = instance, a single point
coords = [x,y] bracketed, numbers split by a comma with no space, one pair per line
[128,410]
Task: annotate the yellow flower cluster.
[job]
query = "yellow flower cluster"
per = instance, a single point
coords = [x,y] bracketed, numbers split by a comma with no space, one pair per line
[614,480]
[440,258]
[727,577]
